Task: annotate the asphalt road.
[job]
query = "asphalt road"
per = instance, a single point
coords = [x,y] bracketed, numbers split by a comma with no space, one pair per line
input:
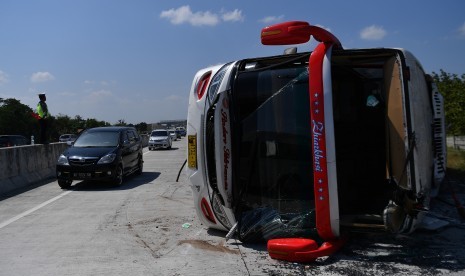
[149,227]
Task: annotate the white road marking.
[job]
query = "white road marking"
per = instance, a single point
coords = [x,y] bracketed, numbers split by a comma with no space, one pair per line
[5,223]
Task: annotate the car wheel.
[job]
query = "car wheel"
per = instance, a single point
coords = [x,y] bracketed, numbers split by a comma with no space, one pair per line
[64,184]
[118,180]
[140,165]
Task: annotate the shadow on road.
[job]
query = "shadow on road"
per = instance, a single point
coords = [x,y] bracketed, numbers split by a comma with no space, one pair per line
[129,182]
[431,251]
[216,233]
[27,188]
[161,149]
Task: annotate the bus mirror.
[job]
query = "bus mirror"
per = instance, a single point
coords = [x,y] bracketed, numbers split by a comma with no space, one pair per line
[287,33]
[296,32]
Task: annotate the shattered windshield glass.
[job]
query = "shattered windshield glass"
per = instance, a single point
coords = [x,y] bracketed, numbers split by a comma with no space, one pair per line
[273,175]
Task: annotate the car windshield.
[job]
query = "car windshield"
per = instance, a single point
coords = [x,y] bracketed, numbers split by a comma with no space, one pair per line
[159,133]
[98,139]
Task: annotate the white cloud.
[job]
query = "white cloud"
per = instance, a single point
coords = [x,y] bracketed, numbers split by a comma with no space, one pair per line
[233,16]
[98,96]
[3,77]
[67,94]
[373,32]
[462,30]
[101,83]
[41,77]
[174,98]
[100,93]
[185,15]
[272,19]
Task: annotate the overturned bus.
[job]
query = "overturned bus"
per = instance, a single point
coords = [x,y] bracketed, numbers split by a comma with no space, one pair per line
[300,149]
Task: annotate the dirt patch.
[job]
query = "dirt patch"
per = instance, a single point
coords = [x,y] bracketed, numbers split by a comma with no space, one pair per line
[204,245]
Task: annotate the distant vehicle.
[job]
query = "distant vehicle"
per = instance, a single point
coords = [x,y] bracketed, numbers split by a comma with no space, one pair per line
[12,140]
[173,135]
[160,138]
[181,131]
[315,144]
[178,133]
[102,153]
[67,138]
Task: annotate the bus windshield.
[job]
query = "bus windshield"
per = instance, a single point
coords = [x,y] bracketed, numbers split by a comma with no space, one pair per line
[273,176]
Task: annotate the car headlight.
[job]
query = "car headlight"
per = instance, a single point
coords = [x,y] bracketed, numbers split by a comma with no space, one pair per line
[62,160]
[109,158]
[216,81]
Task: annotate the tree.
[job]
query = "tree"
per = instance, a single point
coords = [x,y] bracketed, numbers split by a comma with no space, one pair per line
[141,127]
[452,87]
[63,124]
[78,123]
[121,122]
[16,118]
[94,123]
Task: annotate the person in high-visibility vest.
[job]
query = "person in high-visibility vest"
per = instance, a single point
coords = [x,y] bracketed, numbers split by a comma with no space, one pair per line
[42,111]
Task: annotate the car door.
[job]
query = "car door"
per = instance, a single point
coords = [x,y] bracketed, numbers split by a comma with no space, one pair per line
[125,150]
[133,146]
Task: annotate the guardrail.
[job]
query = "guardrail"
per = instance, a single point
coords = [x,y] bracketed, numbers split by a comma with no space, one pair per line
[456,142]
[22,166]
[25,165]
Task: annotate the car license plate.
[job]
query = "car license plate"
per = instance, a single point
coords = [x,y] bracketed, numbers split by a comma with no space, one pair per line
[82,175]
[192,151]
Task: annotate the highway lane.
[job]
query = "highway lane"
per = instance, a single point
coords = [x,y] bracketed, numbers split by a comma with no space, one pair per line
[137,229]
[97,229]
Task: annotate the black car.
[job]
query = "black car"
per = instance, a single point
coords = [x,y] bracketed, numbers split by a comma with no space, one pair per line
[102,153]
[12,140]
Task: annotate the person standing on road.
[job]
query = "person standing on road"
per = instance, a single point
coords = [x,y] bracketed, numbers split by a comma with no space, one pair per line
[42,111]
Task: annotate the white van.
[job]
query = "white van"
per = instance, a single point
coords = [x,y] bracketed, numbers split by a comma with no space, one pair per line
[314,144]
[67,138]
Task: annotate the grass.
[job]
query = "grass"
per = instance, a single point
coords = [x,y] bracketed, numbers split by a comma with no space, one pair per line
[456,162]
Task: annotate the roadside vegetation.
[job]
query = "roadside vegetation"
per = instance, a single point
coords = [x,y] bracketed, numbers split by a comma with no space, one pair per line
[16,119]
[452,87]
[456,162]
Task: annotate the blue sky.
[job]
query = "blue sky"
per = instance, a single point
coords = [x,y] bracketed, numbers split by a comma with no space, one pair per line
[135,59]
